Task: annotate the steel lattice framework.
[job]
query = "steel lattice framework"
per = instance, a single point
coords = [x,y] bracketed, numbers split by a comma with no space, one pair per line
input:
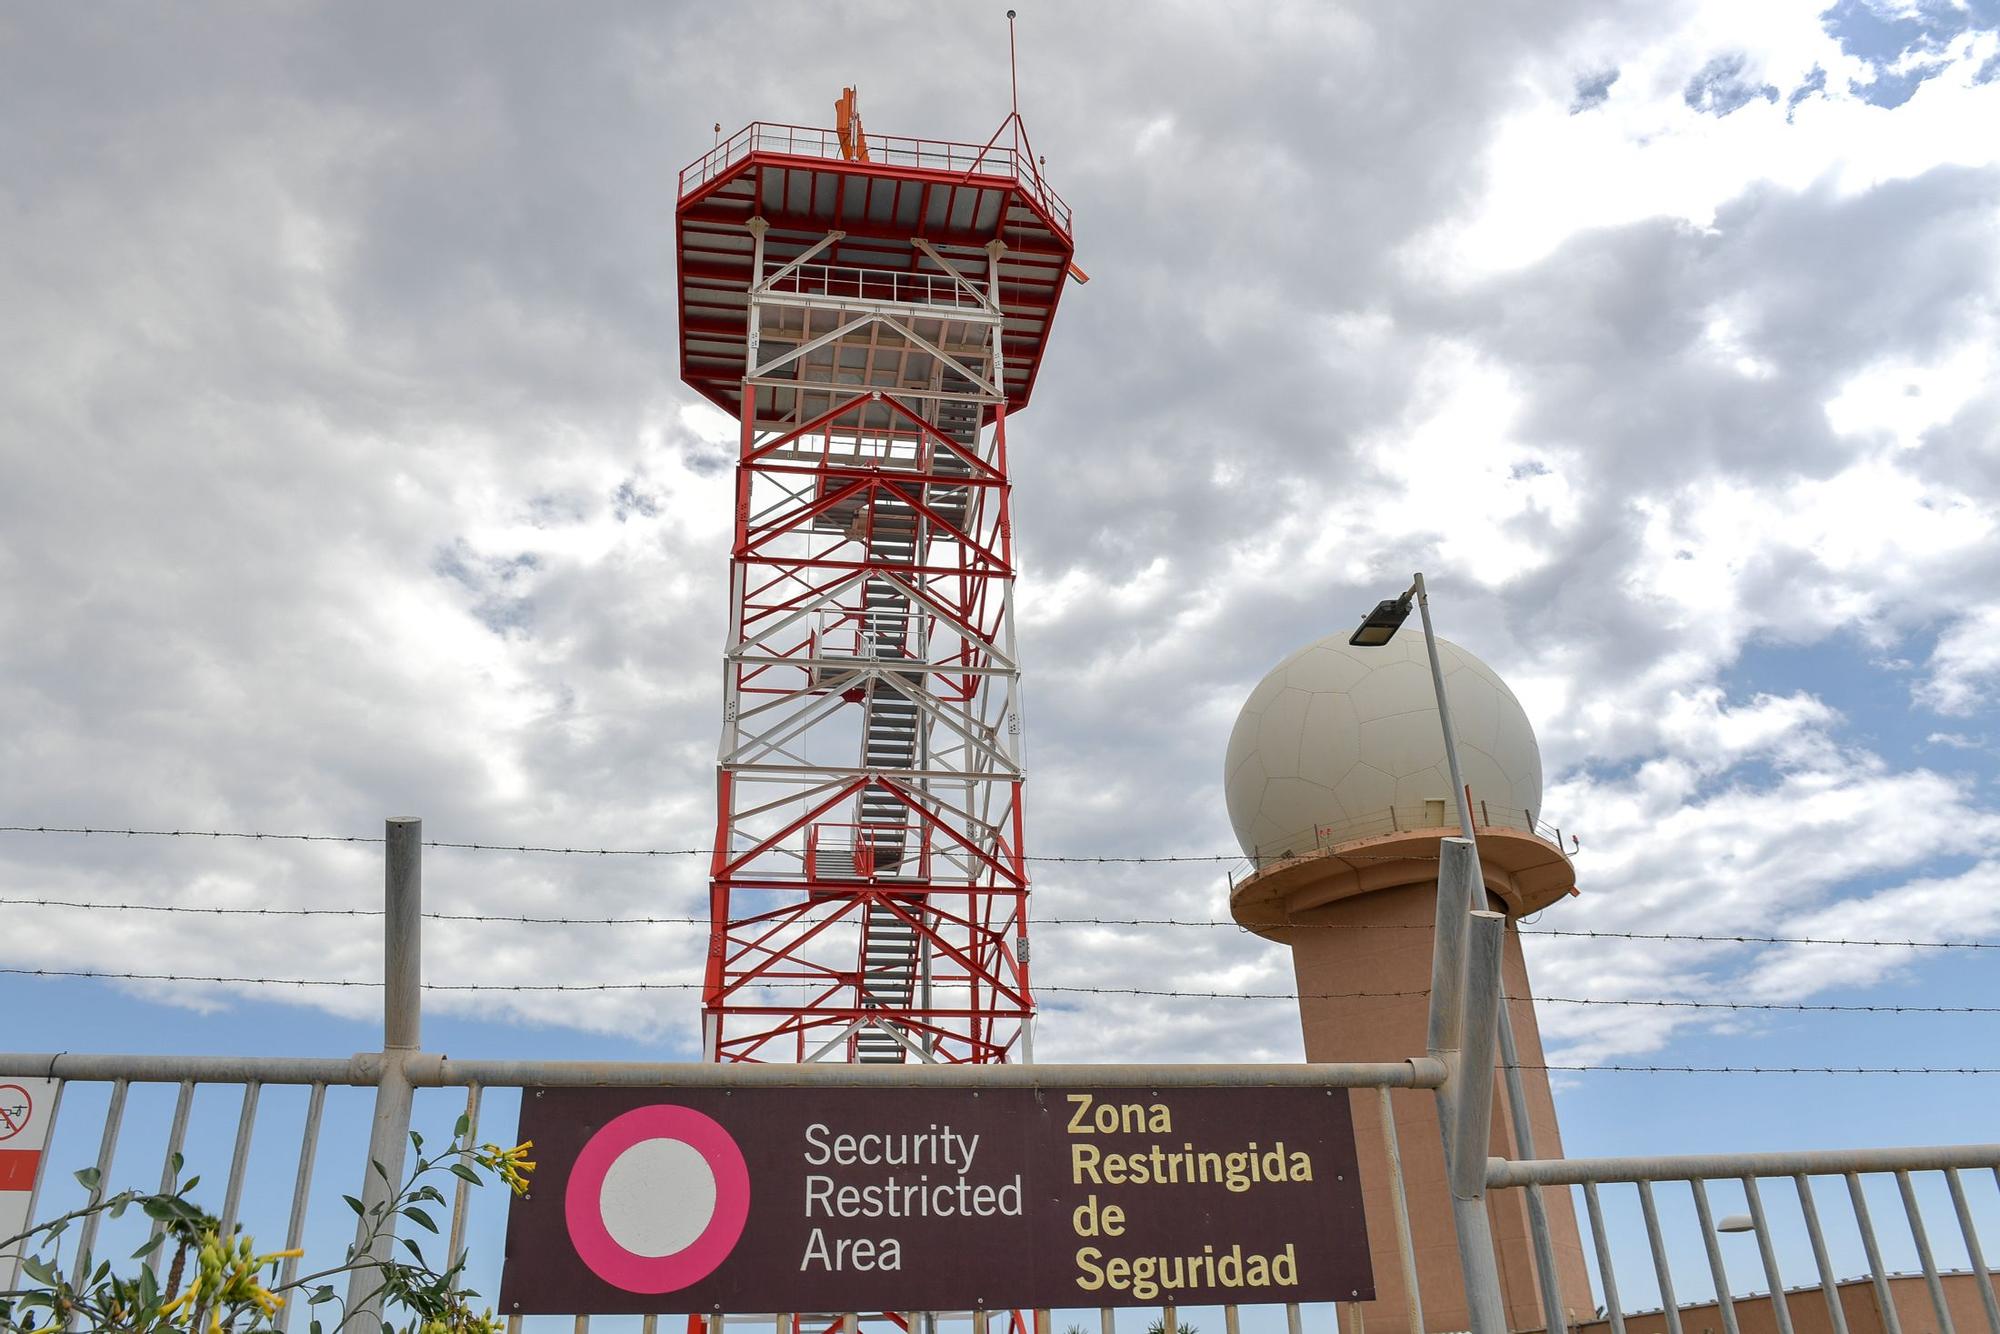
[871,313]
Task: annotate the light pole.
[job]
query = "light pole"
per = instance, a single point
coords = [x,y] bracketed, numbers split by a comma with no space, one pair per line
[1377,628]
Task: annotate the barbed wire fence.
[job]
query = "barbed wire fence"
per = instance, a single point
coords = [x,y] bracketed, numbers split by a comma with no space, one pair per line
[1097,921]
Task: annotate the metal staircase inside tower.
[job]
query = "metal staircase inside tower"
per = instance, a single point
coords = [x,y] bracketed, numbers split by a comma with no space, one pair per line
[895,535]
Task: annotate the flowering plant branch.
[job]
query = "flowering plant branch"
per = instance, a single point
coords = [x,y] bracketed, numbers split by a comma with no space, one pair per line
[233,1289]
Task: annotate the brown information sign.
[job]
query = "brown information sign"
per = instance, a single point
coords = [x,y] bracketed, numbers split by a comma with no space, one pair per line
[779,1199]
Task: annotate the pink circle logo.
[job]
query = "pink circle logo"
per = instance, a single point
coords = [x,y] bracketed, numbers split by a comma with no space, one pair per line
[657,1199]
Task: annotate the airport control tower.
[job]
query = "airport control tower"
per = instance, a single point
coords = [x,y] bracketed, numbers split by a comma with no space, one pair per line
[873,311]
[1339,794]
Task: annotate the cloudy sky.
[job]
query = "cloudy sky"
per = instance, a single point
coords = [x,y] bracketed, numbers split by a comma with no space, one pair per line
[344,472]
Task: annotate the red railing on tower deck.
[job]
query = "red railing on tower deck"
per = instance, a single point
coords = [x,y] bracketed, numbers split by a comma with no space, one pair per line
[899,152]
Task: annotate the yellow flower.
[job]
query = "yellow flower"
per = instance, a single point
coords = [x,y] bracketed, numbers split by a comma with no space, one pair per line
[512,1165]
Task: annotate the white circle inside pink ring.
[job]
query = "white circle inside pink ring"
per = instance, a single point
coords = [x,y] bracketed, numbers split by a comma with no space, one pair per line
[626,1269]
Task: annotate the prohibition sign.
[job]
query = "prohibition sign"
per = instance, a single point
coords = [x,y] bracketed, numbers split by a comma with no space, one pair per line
[16,1110]
[657,1199]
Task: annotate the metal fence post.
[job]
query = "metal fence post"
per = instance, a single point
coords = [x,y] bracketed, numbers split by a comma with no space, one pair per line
[1456,1008]
[402,1037]
[1524,1145]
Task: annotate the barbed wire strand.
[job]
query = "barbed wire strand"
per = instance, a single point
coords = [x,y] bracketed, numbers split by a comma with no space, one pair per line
[1148,992]
[460,846]
[614,986]
[656,920]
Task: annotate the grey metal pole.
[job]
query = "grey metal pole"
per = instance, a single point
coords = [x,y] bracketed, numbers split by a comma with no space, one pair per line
[1405,1251]
[1517,1097]
[1475,1096]
[1458,872]
[403,940]
[1524,1145]
[1444,719]
[402,1027]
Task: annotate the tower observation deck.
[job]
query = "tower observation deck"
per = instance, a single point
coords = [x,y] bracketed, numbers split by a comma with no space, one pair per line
[871,309]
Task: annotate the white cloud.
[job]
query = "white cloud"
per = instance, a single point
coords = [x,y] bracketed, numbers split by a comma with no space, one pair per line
[1964,662]
[348,472]
[1646,153]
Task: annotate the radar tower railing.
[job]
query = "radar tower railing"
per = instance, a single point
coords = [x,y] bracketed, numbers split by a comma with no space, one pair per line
[974,162]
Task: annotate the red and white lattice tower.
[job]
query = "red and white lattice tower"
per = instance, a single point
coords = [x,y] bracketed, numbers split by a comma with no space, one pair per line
[871,309]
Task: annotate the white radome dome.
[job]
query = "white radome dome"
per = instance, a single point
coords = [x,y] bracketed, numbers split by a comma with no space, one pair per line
[1336,736]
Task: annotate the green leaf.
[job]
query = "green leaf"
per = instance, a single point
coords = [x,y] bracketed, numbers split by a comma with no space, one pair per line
[420,1218]
[461,1170]
[149,1248]
[320,1294]
[412,1248]
[380,1170]
[39,1270]
[316,1329]
[87,1178]
[416,1141]
[355,1205]
[118,1205]
[188,1185]
[464,1124]
[149,1287]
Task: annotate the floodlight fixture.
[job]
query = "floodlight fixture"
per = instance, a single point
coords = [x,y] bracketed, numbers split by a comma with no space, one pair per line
[1379,626]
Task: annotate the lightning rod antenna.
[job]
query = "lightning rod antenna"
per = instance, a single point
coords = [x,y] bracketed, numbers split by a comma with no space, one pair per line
[1013,86]
[1013,66]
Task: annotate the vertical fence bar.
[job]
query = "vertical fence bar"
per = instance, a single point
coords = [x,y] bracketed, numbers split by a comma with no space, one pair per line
[1669,1305]
[1982,1277]
[1107,1323]
[1924,1257]
[1713,1242]
[1292,1323]
[295,1226]
[402,1036]
[169,1168]
[461,1193]
[1829,1282]
[1405,1249]
[1781,1311]
[239,1158]
[1524,1145]
[1169,1320]
[1612,1311]
[107,1147]
[1884,1299]
[1231,1324]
